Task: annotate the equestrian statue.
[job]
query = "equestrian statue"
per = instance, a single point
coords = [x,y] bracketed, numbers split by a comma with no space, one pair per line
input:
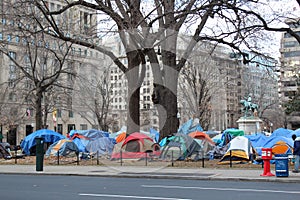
[249,108]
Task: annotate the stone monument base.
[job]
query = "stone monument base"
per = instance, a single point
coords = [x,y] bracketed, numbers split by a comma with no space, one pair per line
[250,125]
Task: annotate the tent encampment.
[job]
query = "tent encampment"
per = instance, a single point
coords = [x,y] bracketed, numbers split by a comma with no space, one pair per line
[62,147]
[48,136]
[239,151]
[135,146]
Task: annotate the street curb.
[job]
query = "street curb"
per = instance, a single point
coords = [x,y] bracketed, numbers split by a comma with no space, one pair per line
[214,178]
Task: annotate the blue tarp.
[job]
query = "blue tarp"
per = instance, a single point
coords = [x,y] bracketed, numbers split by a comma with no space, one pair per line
[296,132]
[189,127]
[260,141]
[155,133]
[91,134]
[81,144]
[65,147]
[103,146]
[88,136]
[48,135]
[282,132]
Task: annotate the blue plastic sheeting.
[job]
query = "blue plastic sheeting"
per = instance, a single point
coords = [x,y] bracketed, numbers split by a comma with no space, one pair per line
[282,132]
[81,144]
[91,134]
[189,127]
[103,146]
[48,135]
[260,141]
[155,133]
[296,132]
[66,148]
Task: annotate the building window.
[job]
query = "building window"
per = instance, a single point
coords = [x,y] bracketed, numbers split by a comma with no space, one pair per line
[71,127]
[83,126]
[58,112]
[12,55]
[60,128]
[12,97]
[71,115]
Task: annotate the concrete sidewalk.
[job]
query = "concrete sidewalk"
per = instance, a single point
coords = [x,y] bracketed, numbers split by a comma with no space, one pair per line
[151,172]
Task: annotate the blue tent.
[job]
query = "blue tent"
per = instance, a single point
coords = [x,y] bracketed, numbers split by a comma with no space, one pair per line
[48,135]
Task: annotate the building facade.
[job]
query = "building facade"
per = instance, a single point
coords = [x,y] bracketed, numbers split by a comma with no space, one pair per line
[290,72]
[62,103]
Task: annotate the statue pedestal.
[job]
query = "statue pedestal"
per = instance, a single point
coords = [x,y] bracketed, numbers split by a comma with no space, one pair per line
[250,125]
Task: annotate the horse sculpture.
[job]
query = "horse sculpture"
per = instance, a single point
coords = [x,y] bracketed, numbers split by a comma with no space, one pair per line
[248,106]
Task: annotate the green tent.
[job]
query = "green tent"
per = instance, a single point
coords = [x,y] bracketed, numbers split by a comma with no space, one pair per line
[235,132]
[179,147]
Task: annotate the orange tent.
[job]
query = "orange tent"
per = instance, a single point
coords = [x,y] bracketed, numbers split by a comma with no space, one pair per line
[121,137]
[201,136]
[281,147]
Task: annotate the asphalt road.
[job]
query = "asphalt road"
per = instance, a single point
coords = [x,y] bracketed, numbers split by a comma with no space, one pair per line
[45,187]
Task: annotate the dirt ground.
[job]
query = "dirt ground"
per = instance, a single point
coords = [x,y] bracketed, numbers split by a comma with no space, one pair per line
[31,160]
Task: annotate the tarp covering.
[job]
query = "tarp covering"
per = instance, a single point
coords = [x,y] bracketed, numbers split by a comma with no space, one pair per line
[296,132]
[155,133]
[279,144]
[101,146]
[81,143]
[62,147]
[91,134]
[282,132]
[190,126]
[83,137]
[48,135]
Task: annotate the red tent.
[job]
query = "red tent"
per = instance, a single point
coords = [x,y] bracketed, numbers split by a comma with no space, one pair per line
[135,146]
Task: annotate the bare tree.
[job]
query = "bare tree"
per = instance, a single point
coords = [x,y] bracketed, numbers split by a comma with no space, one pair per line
[37,65]
[95,94]
[146,26]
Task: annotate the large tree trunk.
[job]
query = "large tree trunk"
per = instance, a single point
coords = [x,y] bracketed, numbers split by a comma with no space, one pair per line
[168,109]
[133,110]
[38,109]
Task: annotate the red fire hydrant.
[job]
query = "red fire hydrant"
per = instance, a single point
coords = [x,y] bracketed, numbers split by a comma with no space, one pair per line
[266,155]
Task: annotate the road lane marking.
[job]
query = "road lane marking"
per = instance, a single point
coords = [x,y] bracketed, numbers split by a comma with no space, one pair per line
[220,189]
[133,197]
